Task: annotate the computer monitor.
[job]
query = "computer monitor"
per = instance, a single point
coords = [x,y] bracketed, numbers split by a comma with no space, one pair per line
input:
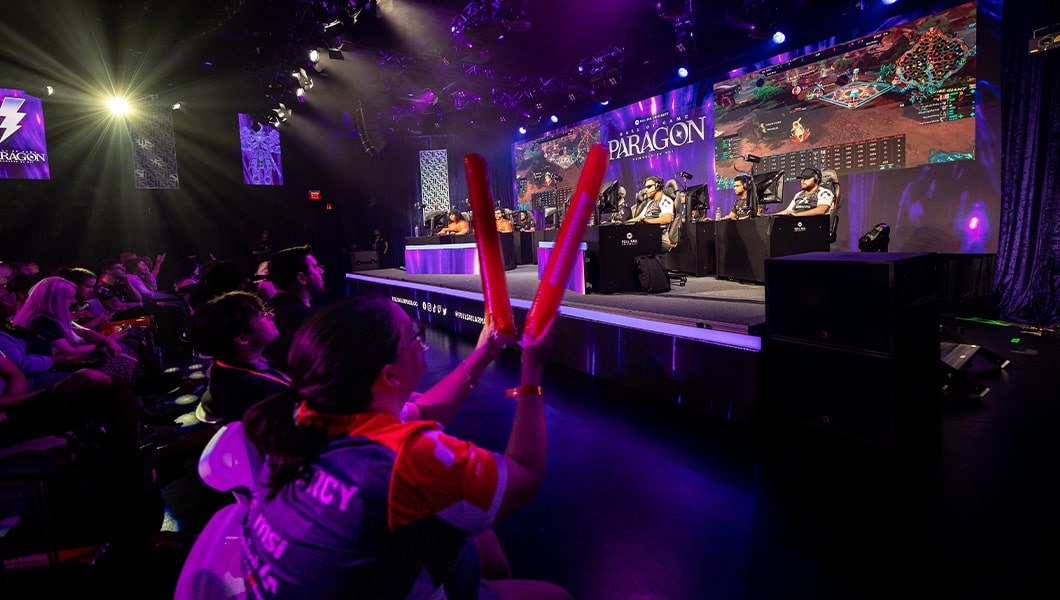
[697,198]
[607,201]
[770,187]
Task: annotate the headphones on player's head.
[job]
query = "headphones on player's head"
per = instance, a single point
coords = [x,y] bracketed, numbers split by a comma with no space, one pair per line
[817,177]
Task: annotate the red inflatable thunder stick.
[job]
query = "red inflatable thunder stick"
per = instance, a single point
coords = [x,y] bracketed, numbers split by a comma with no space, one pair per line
[561,261]
[490,263]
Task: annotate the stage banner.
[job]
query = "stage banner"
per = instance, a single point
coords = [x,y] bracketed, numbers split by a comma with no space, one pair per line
[260,145]
[23,145]
[153,146]
[669,136]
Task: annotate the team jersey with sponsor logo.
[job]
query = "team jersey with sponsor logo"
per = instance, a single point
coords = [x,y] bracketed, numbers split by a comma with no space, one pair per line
[388,510]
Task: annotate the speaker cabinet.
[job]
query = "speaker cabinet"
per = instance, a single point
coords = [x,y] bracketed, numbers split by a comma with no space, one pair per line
[364,260]
[852,344]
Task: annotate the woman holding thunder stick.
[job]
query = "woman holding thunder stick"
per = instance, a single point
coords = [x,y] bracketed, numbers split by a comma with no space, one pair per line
[358,503]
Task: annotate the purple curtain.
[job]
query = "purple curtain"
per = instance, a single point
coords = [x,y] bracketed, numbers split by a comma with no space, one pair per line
[1027,280]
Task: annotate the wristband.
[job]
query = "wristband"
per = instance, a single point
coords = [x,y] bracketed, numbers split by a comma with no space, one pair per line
[525,390]
[470,379]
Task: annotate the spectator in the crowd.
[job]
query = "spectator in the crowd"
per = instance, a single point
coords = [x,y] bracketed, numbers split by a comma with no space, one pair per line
[392,530]
[89,311]
[233,329]
[298,279]
[262,284]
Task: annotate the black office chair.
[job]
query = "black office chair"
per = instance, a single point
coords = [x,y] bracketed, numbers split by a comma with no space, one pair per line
[830,181]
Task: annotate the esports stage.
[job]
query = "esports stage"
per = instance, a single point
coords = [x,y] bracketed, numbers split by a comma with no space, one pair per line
[694,345]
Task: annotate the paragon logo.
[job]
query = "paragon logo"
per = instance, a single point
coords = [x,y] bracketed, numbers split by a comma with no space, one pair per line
[10,117]
[670,135]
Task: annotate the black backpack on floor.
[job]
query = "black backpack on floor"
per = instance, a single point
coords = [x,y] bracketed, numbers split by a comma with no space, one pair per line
[651,274]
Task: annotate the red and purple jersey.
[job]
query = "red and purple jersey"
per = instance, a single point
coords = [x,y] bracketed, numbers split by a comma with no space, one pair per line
[387,510]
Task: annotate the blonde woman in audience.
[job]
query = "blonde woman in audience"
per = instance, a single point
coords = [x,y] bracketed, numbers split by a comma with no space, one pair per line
[46,312]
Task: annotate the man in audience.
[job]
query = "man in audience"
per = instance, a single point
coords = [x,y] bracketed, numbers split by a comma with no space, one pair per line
[115,292]
[298,279]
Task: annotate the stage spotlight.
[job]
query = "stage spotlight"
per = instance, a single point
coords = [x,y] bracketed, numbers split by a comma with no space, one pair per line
[779,37]
[49,89]
[605,102]
[554,119]
[118,106]
[682,72]
[522,131]
[176,106]
[889,2]
[314,55]
[876,240]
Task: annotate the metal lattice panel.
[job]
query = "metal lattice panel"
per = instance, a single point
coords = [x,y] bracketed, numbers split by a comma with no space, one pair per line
[154,148]
[434,180]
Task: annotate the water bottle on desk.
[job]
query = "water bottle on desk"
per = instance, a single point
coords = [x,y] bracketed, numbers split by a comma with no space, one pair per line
[717,213]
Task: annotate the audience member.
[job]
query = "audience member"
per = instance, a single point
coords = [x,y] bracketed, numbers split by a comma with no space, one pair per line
[115,292]
[262,284]
[389,528]
[46,313]
[88,311]
[298,279]
[233,329]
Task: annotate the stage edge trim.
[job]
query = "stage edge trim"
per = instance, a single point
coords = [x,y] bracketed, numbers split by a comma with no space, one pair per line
[699,334]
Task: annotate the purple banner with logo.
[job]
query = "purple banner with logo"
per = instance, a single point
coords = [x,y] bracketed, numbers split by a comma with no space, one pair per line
[262,160]
[23,145]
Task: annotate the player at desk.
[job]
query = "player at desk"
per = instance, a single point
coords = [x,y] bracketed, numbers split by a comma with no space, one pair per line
[741,209]
[503,224]
[658,208]
[458,225]
[812,199]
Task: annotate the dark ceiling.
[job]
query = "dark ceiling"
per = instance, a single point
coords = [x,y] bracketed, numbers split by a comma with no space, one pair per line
[510,61]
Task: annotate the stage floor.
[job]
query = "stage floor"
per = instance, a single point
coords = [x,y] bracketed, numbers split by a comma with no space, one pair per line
[703,302]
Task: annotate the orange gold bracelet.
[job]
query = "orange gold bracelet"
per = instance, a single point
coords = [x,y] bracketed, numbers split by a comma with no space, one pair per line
[525,390]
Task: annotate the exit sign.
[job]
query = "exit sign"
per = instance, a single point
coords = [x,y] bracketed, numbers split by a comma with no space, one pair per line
[314,194]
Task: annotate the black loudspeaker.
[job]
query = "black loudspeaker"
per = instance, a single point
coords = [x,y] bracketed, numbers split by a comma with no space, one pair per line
[852,345]
[364,260]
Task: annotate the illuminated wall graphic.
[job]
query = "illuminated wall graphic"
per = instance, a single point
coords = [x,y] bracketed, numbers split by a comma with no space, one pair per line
[154,148]
[23,145]
[434,181]
[260,146]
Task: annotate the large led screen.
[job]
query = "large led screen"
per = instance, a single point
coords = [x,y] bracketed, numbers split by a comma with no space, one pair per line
[665,135]
[23,145]
[899,98]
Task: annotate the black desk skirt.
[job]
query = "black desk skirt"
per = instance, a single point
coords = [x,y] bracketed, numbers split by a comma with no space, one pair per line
[744,246]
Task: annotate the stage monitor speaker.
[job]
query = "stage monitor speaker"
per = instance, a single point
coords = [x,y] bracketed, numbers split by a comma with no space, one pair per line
[852,344]
[891,402]
[877,302]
